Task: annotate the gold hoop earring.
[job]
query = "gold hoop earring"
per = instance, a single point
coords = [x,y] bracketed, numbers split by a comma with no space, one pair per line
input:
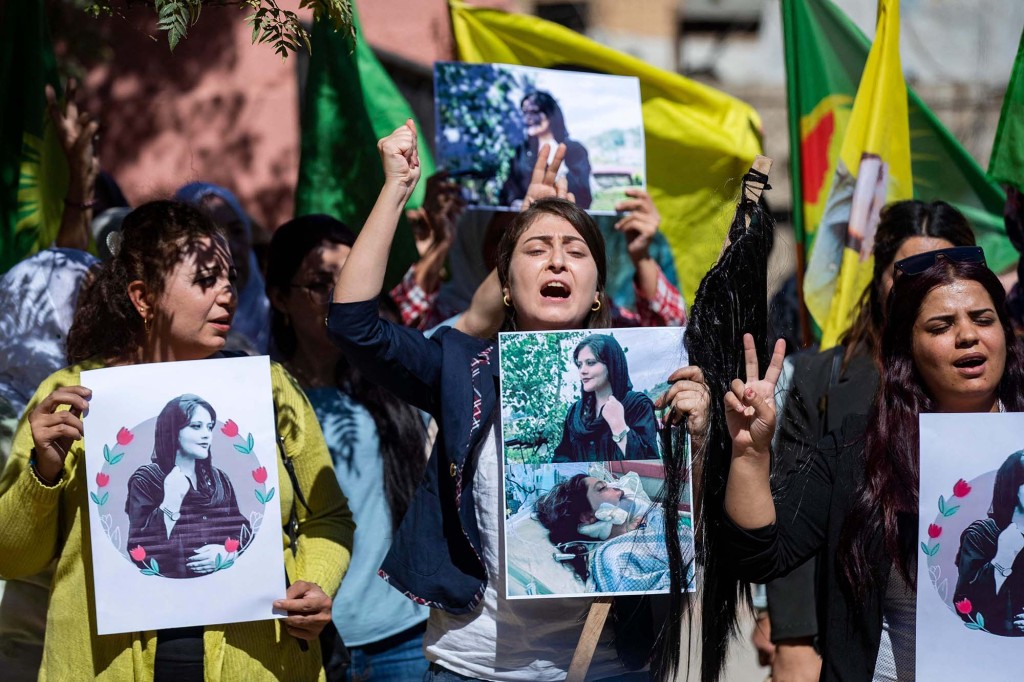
[508,302]
[596,306]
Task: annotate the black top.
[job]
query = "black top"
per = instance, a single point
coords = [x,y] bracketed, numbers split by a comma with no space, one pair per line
[590,440]
[821,395]
[206,519]
[576,161]
[810,515]
[977,583]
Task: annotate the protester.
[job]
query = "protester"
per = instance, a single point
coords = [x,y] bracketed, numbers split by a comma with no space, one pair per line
[251,327]
[824,388]
[445,553]
[377,442]
[641,271]
[948,347]
[167,295]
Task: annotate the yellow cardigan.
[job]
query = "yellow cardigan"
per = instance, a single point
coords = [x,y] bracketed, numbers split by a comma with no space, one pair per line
[38,523]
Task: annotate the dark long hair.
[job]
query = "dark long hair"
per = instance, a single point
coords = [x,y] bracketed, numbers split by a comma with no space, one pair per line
[610,354]
[891,459]
[559,511]
[176,415]
[899,221]
[549,105]
[585,225]
[154,238]
[1006,490]
[400,431]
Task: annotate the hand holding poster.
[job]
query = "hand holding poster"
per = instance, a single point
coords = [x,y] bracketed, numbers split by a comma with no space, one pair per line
[970,576]
[183,509]
[493,118]
[583,464]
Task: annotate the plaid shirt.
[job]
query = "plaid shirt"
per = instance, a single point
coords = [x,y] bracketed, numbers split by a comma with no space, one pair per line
[666,309]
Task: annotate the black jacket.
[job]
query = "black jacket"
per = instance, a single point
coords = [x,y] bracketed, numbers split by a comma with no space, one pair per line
[810,518]
[821,395]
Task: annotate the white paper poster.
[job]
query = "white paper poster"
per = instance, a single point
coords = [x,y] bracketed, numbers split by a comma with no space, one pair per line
[184,514]
[582,462]
[970,595]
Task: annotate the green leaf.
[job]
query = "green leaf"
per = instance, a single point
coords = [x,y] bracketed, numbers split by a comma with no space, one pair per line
[94,498]
[227,564]
[950,511]
[241,448]
[216,562]
[106,453]
[116,458]
[981,620]
[103,500]
[942,504]
[972,626]
[154,565]
[146,571]
[259,496]
[270,496]
[250,443]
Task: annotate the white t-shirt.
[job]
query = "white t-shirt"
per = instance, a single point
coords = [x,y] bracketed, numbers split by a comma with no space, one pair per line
[502,640]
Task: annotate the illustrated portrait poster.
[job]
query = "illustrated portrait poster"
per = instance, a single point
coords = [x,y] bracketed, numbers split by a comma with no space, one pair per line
[582,462]
[972,491]
[184,515]
[492,118]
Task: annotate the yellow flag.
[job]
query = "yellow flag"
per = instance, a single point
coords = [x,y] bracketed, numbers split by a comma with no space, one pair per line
[873,169]
[700,142]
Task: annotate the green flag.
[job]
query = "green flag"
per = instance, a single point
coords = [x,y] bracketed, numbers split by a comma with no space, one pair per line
[825,55]
[33,170]
[1007,162]
[350,103]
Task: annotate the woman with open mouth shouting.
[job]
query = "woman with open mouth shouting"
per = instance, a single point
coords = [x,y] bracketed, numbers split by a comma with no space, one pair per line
[551,269]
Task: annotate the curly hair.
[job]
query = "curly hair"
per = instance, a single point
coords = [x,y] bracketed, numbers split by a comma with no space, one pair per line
[559,511]
[155,237]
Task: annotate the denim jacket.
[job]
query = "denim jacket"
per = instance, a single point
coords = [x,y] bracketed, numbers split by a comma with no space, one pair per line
[435,556]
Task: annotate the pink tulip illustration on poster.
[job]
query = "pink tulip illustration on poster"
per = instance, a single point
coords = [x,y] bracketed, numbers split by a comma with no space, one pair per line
[183,494]
[970,550]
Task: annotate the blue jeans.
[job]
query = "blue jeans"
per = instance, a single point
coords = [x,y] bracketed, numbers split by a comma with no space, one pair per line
[438,673]
[400,663]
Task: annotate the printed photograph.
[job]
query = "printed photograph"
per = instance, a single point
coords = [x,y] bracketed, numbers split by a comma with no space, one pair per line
[578,529]
[492,120]
[970,548]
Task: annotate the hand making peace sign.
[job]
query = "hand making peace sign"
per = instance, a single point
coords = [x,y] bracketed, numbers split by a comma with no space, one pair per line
[750,405]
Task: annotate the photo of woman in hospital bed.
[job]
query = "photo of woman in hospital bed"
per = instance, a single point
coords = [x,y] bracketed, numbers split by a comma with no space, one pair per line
[603,534]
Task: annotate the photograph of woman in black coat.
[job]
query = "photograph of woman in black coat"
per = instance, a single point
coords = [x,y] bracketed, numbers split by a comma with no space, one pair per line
[610,421]
[544,123]
[990,560]
[181,509]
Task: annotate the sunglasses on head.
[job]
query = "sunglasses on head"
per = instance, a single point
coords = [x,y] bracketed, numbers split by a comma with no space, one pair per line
[915,265]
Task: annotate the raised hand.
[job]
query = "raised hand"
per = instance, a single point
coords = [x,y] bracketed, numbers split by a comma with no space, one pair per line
[640,224]
[176,486]
[75,131]
[53,430]
[400,157]
[750,405]
[615,414]
[308,607]
[544,181]
[434,222]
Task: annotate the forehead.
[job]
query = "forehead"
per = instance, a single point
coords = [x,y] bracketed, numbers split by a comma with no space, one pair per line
[918,244]
[586,353]
[326,256]
[206,252]
[957,296]
[551,226]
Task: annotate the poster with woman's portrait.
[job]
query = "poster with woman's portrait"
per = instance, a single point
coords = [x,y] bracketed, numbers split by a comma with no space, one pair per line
[583,462]
[184,515]
[492,120]
[970,549]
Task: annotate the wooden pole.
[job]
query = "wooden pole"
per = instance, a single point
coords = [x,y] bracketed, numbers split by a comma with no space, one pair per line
[588,639]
